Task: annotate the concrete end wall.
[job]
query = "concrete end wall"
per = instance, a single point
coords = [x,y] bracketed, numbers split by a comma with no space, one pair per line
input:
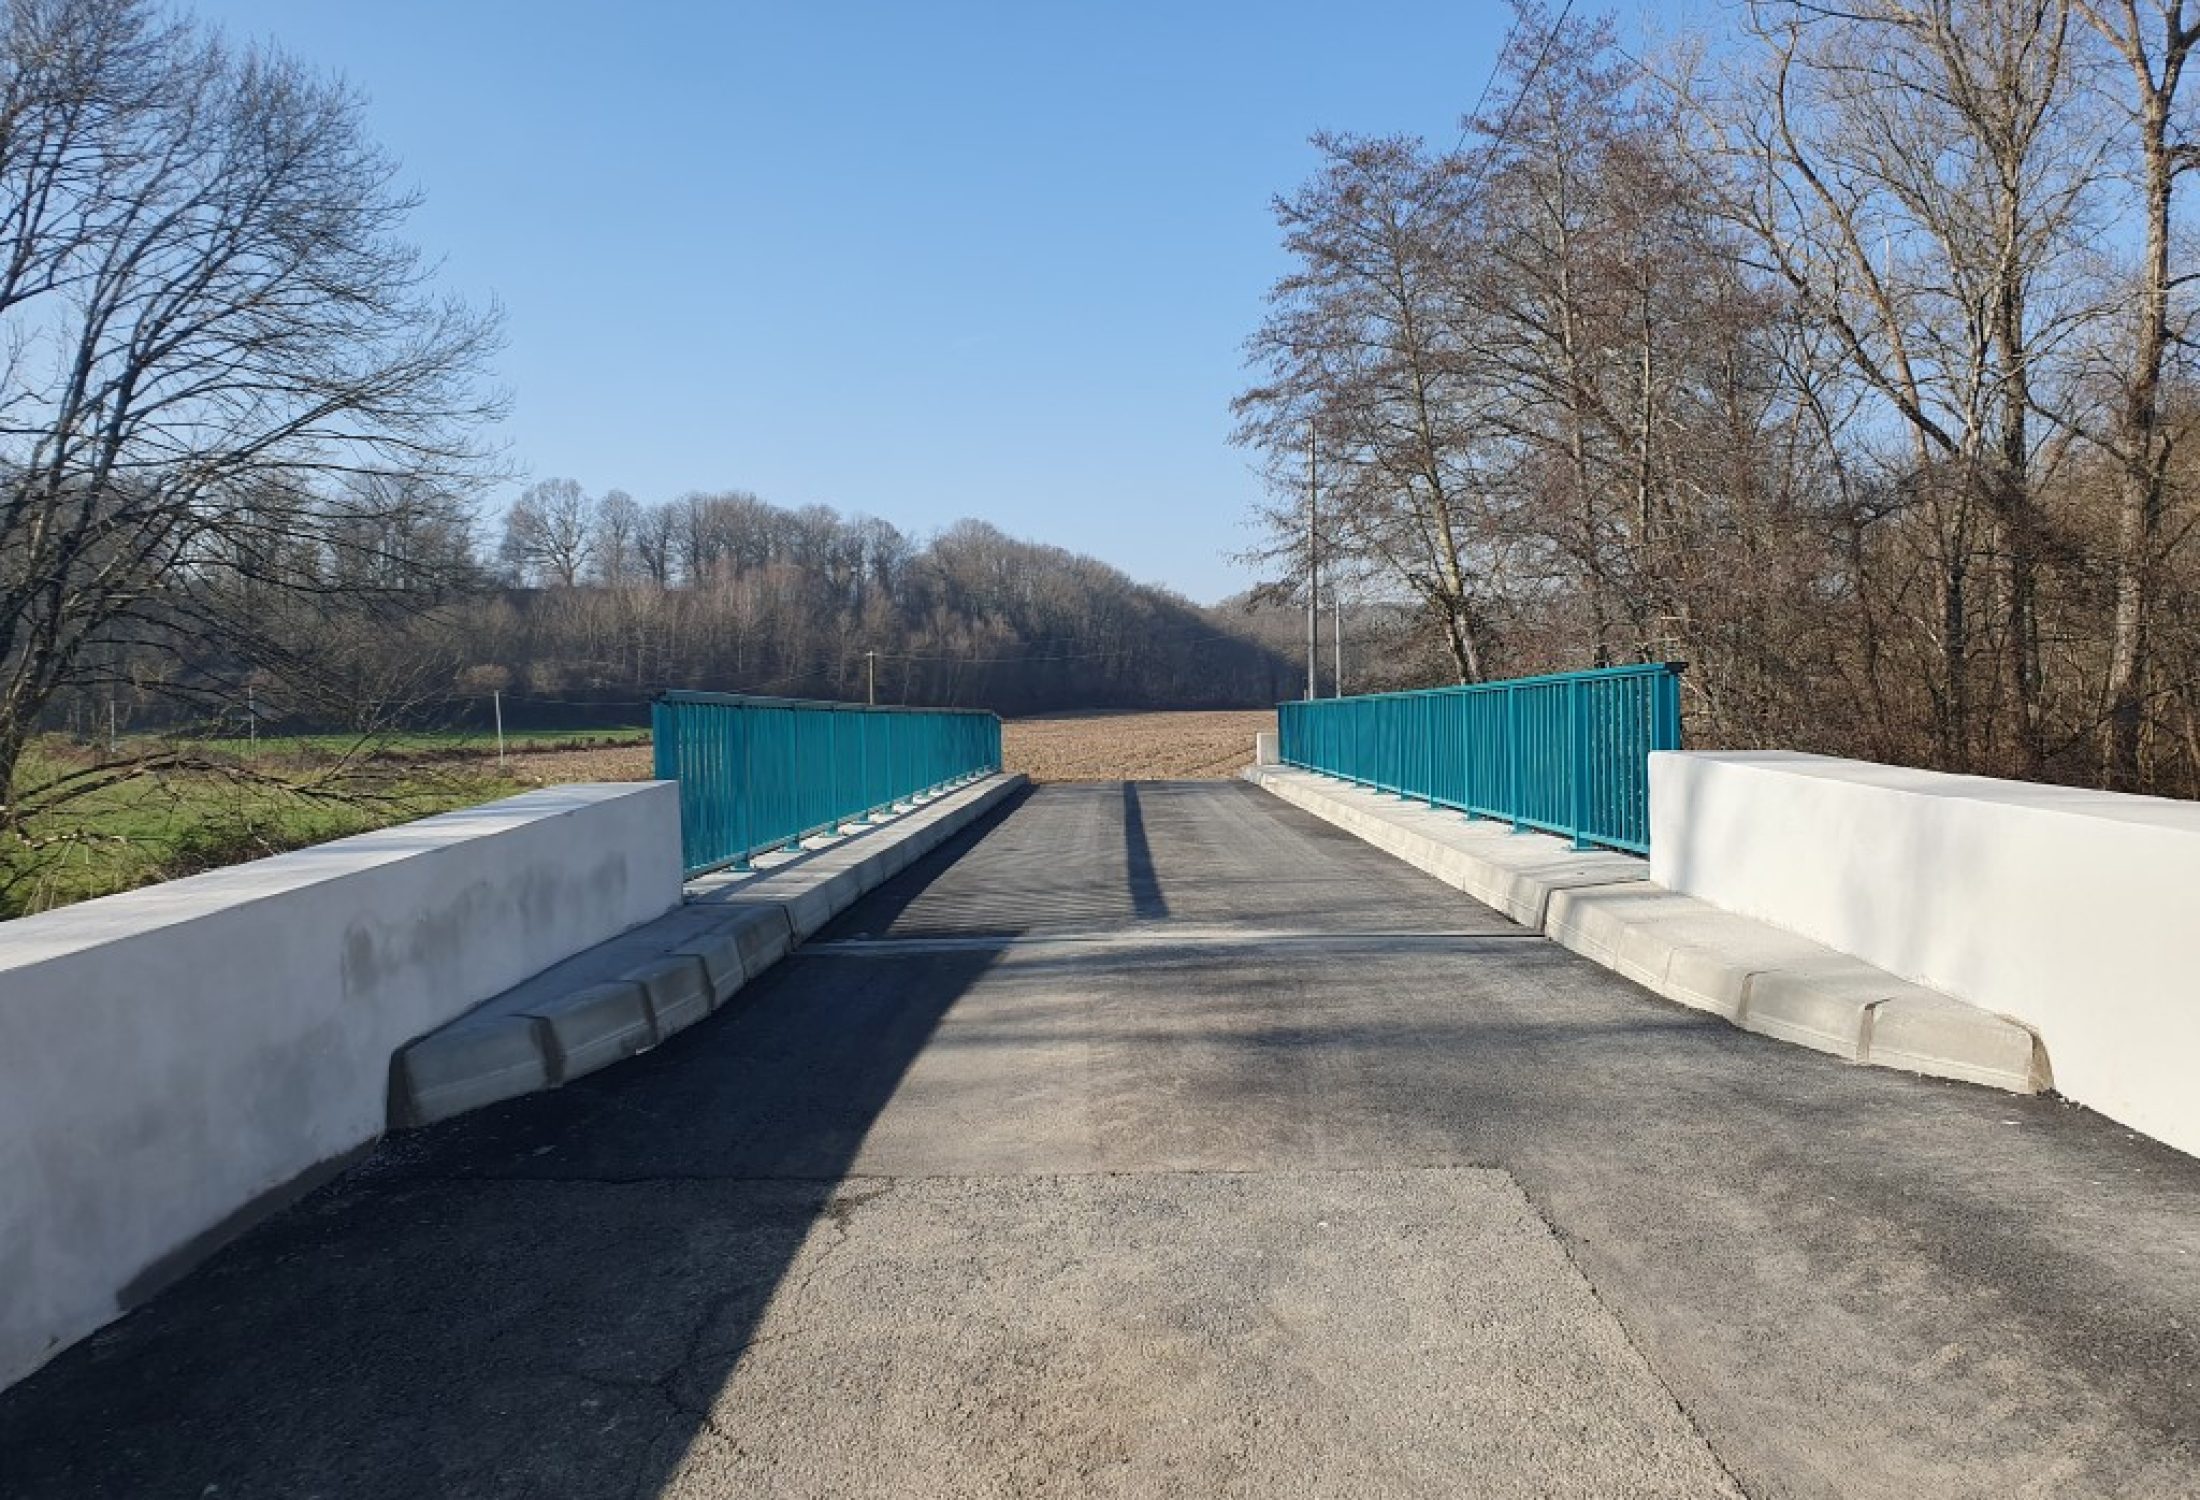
[2068,910]
[176,1059]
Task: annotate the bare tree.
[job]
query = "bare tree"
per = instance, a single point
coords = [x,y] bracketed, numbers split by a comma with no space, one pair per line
[1920,186]
[1546,313]
[1364,359]
[698,539]
[655,534]
[228,389]
[614,545]
[2154,41]
[550,533]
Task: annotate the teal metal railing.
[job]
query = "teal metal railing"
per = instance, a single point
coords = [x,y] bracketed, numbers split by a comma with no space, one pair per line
[766,773]
[1568,754]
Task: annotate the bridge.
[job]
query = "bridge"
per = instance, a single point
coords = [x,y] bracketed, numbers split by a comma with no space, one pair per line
[1166,1138]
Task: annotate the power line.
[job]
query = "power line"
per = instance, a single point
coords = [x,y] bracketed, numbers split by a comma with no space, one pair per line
[1466,122]
[1535,70]
[1489,81]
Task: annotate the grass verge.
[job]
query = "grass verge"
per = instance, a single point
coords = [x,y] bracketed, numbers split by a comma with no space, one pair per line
[162,826]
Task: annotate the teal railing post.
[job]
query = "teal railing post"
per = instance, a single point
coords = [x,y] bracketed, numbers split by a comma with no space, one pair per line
[1577,760]
[1466,761]
[734,774]
[1513,755]
[791,784]
[1665,718]
[1428,748]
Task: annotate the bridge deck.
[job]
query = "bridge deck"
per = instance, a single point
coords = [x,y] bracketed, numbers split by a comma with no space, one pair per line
[1159,1139]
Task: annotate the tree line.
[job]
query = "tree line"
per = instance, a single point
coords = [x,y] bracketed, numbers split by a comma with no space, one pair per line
[603,595]
[574,609]
[1844,353]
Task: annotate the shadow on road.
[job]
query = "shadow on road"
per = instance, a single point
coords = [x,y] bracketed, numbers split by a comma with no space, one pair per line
[541,1298]
[1147,902]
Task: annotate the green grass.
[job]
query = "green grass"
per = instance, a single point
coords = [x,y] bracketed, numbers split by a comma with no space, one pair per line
[429,742]
[160,827]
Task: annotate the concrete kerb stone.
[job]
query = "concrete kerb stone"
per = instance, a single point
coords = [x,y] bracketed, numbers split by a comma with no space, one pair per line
[1602,906]
[1930,1033]
[1684,949]
[1826,1007]
[1707,980]
[743,944]
[1525,893]
[471,1064]
[594,1027]
[874,869]
[894,859]
[908,852]
[820,900]
[626,995]
[765,935]
[1629,927]
[719,952]
[1791,989]
[678,989]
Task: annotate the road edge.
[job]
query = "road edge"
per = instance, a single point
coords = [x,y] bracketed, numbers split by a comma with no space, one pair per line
[1603,906]
[623,997]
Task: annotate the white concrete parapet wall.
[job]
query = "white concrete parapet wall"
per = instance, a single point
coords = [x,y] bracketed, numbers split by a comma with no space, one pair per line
[175,1059]
[2071,911]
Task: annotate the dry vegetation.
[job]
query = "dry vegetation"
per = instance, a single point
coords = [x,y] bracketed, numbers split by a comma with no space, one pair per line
[1133,746]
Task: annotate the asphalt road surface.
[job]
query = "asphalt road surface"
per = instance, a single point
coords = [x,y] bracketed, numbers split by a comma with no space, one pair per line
[1157,1139]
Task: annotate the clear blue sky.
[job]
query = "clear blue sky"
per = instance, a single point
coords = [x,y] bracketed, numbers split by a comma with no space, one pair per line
[920,261]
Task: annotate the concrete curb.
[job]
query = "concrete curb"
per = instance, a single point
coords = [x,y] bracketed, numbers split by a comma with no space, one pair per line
[1756,976]
[594,1027]
[627,995]
[1516,873]
[736,950]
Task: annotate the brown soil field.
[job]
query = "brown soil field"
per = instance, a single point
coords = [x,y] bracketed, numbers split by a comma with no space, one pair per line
[1059,747]
[605,763]
[1134,746]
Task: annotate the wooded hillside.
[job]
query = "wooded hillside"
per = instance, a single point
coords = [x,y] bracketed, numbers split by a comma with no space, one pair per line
[608,597]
